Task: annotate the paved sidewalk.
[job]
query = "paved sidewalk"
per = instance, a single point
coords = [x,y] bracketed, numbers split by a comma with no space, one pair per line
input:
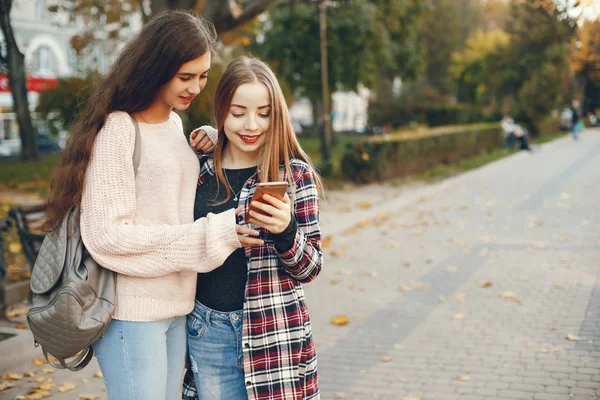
[407,266]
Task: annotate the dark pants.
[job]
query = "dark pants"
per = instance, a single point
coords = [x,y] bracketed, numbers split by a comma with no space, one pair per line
[511,139]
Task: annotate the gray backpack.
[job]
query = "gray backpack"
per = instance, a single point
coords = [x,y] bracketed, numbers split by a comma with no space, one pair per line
[73,296]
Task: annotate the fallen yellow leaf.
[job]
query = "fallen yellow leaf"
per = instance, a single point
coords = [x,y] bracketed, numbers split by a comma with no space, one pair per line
[66,387]
[458,316]
[335,253]
[29,374]
[47,386]
[334,282]
[13,377]
[386,359]
[98,375]
[412,286]
[509,296]
[47,370]
[559,286]
[89,397]
[16,313]
[365,204]
[6,385]
[460,297]
[392,245]
[42,394]
[15,247]
[573,338]
[40,361]
[340,320]
[326,242]
[486,284]
[463,378]
[21,326]
[340,395]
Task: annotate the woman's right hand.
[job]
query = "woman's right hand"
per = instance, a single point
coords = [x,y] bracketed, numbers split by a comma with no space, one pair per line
[248,237]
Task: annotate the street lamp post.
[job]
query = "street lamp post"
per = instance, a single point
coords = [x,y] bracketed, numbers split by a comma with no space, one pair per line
[326,112]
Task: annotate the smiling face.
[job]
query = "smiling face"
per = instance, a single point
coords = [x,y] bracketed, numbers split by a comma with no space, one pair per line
[248,119]
[187,83]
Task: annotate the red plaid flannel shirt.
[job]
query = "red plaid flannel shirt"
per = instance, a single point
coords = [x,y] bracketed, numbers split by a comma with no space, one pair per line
[280,361]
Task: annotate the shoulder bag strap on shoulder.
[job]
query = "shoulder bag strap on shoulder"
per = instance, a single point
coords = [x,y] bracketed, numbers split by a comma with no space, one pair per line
[137,146]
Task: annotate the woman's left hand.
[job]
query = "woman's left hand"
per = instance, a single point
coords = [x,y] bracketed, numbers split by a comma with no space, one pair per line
[279,213]
[200,141]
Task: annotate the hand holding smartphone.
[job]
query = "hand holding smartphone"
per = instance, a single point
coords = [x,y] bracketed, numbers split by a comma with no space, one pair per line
[275,189]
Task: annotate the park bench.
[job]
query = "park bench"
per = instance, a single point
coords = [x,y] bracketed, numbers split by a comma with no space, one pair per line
[28,221]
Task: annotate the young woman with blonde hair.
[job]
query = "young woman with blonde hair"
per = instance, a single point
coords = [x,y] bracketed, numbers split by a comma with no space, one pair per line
[249,335]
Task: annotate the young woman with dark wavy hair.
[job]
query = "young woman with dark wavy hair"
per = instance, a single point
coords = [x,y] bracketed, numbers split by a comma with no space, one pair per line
[140,224]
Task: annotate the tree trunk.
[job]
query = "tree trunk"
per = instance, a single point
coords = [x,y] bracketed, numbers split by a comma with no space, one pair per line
[18,87]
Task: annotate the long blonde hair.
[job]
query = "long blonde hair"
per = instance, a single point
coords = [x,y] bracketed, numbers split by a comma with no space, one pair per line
[281,143]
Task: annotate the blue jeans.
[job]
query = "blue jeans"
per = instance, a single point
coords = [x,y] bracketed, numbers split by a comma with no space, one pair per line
[575,131]
[143,360]
[215,350]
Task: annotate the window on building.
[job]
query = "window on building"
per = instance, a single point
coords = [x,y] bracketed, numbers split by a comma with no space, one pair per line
[41,9]
[44,62]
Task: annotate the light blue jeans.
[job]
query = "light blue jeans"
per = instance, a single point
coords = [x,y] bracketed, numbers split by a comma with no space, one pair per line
[143,360]
[215,350]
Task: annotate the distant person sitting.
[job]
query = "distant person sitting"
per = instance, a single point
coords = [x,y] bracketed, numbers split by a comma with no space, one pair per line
[514,133]
[594,121]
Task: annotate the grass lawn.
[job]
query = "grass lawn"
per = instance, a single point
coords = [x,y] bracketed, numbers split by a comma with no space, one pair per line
[27,177]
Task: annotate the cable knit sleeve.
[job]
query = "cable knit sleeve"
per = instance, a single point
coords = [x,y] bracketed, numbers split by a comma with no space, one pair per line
[108,207]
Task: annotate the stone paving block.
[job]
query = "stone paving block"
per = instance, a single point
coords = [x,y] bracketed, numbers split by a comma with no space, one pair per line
[523,387]
[512,394]
[549,396]
[583,391]
[558,389]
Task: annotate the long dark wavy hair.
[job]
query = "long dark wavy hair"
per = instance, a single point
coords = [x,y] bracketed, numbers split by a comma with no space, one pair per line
[146,63]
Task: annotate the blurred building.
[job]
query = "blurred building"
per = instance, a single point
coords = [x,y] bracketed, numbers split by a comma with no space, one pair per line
[348,111]
[45,40]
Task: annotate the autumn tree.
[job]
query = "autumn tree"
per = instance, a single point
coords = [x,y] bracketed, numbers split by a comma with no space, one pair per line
[470,67]
[444,30]
[585,62]
[534,66]
[108,21]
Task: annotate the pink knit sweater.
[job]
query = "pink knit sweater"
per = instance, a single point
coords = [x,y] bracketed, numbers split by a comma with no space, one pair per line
[142,226]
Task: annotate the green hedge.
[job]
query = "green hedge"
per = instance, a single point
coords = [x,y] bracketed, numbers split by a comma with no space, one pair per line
[391,156]
[401,114]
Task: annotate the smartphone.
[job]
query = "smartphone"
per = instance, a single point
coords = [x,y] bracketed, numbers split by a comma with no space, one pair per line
[275,189]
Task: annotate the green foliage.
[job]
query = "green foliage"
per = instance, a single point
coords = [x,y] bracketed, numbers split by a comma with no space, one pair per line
[395,156]
[59,106]
[399,113]
[355,43]
[444,32]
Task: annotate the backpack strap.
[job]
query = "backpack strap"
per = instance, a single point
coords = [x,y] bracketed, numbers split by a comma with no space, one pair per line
[137,146]
[77,364]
